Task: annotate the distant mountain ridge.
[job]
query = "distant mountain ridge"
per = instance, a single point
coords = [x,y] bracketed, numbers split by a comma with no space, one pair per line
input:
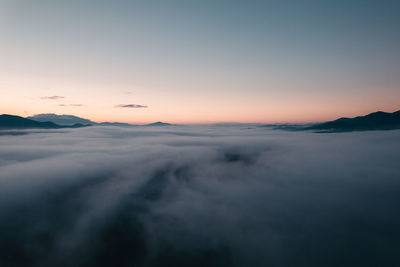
[158,123]
[374,121]
[120,124]
[17,122]
[60,119]
[70,120]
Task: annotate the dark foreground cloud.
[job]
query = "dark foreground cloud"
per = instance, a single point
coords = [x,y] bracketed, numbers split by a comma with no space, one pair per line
[199,196]
[130,106]
[54,97]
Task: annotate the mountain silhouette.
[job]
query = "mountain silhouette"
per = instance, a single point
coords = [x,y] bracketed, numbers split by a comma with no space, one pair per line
[374,121]
[17,122]
[159,123]
[67,120]
[119,124]
[71,120]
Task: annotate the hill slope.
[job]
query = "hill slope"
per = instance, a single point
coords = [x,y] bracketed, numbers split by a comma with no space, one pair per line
[60,119]
[16,122]
[373,121]
[71,120]
[158,123]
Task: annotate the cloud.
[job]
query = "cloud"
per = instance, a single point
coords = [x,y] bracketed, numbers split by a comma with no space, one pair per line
[54,97]
[70,105]
[130,106]
[198,196]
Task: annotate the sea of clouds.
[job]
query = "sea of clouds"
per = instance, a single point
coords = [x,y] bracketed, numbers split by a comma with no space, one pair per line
[199,196]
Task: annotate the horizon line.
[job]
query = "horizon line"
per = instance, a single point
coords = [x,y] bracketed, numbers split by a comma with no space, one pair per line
[208,122]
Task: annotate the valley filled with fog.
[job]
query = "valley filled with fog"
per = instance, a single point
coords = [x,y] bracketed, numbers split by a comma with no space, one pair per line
[228,195]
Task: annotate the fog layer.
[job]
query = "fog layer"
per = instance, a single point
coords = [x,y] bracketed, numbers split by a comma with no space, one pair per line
[199,196]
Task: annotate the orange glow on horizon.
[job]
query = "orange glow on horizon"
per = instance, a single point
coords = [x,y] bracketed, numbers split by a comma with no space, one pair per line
[27,95]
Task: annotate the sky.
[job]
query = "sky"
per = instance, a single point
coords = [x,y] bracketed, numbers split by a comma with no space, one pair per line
[199,61]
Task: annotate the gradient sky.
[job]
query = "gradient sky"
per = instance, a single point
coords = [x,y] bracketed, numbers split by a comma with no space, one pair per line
[200,61]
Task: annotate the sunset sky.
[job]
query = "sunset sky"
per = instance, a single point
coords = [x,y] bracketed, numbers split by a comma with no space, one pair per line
[199,61]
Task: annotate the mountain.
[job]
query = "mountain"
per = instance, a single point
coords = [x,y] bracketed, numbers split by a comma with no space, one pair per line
[373,121]
[158,123]
[71,120]
[119,124]
[288,126]
[61,119]
[16,122]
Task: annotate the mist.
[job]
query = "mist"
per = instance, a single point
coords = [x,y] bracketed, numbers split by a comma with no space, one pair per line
[199,196]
